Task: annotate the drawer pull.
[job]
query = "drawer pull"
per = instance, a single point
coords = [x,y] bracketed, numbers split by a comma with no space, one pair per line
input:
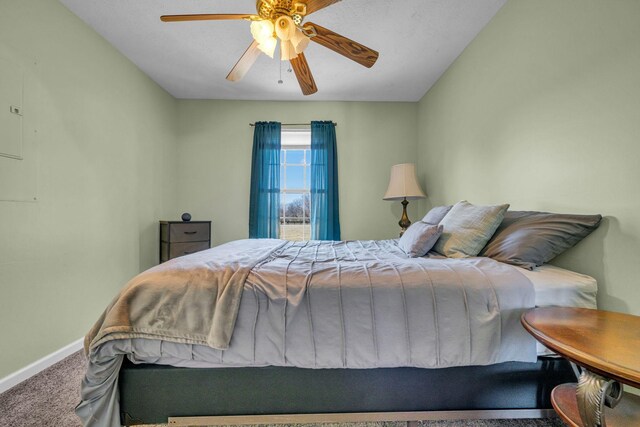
[190,232]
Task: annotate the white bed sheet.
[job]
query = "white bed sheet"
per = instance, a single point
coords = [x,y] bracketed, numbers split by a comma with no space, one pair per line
[555,286]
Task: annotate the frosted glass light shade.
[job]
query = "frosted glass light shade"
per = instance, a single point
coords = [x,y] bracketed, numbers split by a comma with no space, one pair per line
[300,41]
[292,40]
[285,28]
[287,51]
[261,30]
[403,183]
[268,46]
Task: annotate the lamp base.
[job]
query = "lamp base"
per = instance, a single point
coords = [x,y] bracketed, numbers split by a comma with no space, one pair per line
[404,222]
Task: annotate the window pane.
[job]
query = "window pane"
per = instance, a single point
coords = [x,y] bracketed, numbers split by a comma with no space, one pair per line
[293,206]
[282,177]
[307,207]
[295,177]
[291,231]
[307,155]
[295,156]
[293,226]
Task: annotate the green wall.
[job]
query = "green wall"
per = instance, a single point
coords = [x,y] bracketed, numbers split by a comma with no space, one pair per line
[215,160]
[542,110]
[102,137]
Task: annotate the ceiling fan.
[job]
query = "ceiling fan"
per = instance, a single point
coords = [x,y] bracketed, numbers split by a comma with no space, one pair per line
[283,20]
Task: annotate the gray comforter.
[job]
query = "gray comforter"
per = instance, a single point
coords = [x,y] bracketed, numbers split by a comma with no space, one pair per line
[355,304]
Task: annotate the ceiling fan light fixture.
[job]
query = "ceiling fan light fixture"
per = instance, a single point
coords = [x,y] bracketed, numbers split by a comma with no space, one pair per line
[300,41]
[262,32]
[268,46]
[285,28]
[287,50]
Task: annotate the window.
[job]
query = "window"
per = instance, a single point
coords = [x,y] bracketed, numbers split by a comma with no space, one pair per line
[294,183]
[295,196]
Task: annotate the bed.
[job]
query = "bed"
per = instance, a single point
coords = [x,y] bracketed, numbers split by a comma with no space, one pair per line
[355,329]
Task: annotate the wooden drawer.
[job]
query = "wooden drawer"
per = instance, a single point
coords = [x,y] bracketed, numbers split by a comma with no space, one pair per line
[186,232]
[178,238]
[173,250]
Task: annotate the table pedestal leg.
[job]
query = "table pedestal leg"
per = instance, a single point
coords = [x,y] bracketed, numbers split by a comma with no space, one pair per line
[592,393]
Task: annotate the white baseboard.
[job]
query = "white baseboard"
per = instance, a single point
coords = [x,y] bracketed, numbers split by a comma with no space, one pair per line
[39,365]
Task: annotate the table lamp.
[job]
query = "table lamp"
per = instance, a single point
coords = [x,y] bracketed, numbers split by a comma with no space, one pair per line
[403,185]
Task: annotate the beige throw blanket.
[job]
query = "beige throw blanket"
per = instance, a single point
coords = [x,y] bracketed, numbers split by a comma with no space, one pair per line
[191,300]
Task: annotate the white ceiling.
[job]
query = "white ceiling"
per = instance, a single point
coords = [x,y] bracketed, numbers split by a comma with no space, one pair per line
[417,41]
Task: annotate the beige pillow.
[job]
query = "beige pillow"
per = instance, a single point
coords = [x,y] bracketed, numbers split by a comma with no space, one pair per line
[467,229]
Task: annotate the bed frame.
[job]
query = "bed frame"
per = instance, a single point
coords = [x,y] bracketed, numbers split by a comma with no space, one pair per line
[151,394]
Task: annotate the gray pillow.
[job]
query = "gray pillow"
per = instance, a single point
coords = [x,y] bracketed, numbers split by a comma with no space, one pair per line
[435,215]
[530,239]
[419,238]
[468,228]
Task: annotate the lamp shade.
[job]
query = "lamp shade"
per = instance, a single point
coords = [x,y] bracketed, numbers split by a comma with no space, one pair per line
[403,183]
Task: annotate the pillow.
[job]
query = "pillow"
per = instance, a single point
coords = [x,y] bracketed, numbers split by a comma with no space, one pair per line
[530,239]
[419,238]
[468,228]
[435,215]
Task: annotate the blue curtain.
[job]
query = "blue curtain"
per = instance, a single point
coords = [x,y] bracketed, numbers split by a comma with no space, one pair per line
[325,221]
[264,203]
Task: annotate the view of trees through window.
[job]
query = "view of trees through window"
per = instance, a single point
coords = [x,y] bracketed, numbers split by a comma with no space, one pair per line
[295,199]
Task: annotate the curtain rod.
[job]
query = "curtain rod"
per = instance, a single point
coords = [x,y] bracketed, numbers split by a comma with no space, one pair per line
[293,124]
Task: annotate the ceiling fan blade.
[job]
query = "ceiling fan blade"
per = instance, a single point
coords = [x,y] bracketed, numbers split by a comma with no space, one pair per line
[244,63]
[303,74]
[207,17]
[344,46]
[316,5]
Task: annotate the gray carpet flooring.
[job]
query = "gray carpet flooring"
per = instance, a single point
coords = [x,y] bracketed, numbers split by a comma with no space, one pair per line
[48,399]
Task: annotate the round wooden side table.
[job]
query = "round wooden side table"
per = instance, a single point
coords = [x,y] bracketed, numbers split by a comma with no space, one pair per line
[606,346]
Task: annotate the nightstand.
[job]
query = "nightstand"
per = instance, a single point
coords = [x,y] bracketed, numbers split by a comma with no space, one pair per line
[605,345]
[178,238]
